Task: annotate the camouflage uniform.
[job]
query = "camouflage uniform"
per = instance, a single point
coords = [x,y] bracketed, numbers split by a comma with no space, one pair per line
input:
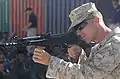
[104,61]
[102,64]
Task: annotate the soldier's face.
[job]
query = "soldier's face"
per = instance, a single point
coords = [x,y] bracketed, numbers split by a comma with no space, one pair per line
[88,32]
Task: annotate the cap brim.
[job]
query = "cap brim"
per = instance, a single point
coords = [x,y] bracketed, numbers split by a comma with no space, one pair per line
[73,25]
[76,22]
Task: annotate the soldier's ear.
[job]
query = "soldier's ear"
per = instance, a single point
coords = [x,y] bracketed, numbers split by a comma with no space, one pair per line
[96,20]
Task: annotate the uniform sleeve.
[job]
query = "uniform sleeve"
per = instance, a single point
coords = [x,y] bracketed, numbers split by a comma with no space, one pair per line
[61,69]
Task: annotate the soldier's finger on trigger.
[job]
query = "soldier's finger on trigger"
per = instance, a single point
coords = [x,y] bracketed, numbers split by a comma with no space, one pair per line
[37,54]
[39,50]
[36,57]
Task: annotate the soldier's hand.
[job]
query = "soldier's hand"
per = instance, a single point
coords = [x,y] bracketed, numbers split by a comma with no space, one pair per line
[41,56]
[74,51]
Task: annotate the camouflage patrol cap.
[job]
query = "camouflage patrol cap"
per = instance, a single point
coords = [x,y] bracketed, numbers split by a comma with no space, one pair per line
[81,13]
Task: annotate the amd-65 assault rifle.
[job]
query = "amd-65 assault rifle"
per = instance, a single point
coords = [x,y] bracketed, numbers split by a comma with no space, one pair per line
[47,40]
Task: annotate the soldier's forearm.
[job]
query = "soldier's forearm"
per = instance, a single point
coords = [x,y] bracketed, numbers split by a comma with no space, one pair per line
[59,68]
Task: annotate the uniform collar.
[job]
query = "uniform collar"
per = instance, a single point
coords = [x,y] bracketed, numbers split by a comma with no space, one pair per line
[110,35]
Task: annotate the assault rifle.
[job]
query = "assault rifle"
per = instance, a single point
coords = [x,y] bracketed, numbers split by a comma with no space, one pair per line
[47,40]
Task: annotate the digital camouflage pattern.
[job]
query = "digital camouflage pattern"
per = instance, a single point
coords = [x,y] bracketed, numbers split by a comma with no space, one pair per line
[81,13]
[103,63]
